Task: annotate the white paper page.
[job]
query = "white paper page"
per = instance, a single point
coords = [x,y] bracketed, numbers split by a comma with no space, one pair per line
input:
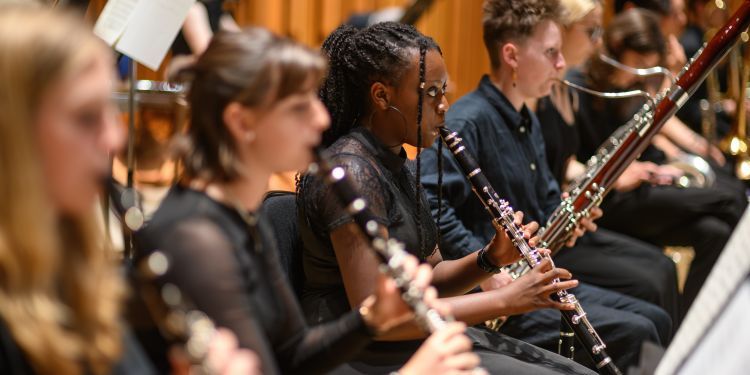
[724,349]
[114,19]
[728,274]
[152,29]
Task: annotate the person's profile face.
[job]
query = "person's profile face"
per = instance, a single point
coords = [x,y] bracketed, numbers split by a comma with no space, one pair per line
[675,21]
[626,80]
[289,130]
[540,60]
[434,102]
[399,120]
[76,131]
[583,37]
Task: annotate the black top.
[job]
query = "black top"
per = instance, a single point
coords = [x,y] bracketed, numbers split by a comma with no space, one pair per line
[12,358]
[214,10]
[230,270]
[598,118]
[386,181]
[14,361]
[690,113]
[509,147]
[560,138]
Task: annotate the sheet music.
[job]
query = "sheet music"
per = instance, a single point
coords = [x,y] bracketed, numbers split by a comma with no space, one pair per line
[114,19]
[728,273]
[724,349]
[151,30]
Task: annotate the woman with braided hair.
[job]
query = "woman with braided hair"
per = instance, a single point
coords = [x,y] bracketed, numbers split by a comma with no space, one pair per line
[386,87]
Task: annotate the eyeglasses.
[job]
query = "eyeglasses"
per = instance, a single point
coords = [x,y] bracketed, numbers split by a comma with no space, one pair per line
[594,32]
[433,91]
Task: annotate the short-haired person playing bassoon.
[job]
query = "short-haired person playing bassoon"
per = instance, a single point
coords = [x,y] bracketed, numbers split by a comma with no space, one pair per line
[524,44]
[700,217]
[622,263]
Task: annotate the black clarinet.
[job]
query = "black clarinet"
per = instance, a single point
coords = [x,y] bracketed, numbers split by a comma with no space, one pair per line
[503,218]
[390,251]
[566,342]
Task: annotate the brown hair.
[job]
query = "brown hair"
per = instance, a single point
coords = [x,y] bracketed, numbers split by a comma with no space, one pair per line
[635,30]
[254,68]
[661,7]
[60,289]
[513,20]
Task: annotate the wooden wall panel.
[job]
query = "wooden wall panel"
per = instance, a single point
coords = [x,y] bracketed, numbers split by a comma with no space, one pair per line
[454,24]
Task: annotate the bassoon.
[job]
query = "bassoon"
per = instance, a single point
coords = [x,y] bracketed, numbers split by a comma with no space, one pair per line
[631,139]
[503,219]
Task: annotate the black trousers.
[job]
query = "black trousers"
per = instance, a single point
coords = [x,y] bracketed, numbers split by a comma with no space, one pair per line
[665,215]
[499,354]
[623,322]
[624,264]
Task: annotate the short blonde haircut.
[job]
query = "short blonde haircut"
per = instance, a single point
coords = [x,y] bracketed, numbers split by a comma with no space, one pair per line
[574,10]
[60,291]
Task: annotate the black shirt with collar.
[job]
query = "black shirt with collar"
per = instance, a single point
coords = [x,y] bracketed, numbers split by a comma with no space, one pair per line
[509,147]
[561,139]
[597,118]
[229,268]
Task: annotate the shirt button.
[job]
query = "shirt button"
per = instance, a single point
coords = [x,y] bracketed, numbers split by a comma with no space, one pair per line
[532,166]
[522,129]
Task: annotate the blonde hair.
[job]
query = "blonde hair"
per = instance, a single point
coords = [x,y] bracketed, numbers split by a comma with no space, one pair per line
[574,10]
[565,100]
[60,291]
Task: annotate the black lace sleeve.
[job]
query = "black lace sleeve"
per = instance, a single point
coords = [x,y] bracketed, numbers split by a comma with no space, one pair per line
[249,295]
[321,205]
[203,265]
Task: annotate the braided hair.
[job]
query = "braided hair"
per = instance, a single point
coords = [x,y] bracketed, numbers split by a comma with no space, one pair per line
[359,58]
